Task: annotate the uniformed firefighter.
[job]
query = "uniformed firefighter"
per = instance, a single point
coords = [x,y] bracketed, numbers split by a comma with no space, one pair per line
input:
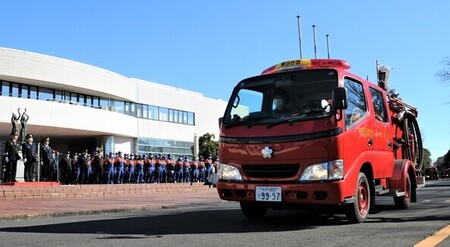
[10,157]
[29,157]
[65,167]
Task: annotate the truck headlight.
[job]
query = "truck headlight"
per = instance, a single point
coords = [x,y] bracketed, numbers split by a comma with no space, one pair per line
[229,172]
[332,170]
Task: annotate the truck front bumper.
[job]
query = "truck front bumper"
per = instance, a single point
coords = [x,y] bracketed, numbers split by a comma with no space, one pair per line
[292,193]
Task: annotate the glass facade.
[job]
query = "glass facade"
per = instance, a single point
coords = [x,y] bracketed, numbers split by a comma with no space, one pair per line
[162,146]
[158,113]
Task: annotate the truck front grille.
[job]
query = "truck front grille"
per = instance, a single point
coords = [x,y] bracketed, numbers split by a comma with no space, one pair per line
[270,171]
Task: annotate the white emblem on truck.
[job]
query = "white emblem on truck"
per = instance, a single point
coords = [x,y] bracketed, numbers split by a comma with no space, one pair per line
[267,152]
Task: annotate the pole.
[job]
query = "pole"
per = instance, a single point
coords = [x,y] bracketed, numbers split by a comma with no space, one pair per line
[315,43]
[300,36]
[328,45]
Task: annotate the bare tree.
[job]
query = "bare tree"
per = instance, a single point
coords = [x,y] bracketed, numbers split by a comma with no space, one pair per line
[444,74]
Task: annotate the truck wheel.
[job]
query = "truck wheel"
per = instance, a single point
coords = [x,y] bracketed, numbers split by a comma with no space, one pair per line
[253,210]
[357,212]
[402,202]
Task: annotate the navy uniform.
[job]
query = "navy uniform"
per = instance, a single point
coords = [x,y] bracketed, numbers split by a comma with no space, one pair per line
[201,169]
[83,164]
[139,169]
[162,169]
[119,164]
[46,160]
[170,169]
[194,169]
[186,172]
[11,156]
[65,166]
[97,167]
[131,165]
[178,170]
[109,169]
[158,169]
[75,169]
[208,168]
[29,157]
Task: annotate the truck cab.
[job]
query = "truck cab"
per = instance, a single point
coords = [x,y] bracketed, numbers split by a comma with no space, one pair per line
[332,142]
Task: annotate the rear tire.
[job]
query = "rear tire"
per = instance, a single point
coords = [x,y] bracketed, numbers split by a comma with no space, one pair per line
[253,210]
[357,212]
[402,202]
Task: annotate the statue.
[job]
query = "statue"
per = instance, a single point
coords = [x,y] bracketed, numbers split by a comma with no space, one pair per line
[15,121]
[23,123]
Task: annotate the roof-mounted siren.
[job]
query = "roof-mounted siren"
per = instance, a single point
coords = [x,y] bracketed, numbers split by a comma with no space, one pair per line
[383,75]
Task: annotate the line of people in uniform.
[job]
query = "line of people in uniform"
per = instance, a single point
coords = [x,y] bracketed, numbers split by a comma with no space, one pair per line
[119,168]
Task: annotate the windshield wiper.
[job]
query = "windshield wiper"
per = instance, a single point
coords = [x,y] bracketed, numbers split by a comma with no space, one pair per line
[252,118]
[290,119]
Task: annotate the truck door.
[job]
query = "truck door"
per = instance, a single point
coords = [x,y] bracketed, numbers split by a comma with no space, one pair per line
[382,140]
[357,147]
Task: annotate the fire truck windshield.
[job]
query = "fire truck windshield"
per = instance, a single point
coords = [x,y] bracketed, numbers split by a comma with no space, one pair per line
[275,98]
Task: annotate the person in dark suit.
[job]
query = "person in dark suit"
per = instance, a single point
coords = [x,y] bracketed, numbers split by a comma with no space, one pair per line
[46,160]
[11,156]
[29,157]
[65,166]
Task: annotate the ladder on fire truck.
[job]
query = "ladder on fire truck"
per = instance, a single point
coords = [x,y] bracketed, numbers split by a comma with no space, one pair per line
[406,115]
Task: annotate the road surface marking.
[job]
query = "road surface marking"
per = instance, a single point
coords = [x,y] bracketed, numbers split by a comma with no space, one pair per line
[435,239]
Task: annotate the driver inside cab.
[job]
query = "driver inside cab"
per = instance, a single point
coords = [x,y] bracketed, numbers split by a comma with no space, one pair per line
[280,100]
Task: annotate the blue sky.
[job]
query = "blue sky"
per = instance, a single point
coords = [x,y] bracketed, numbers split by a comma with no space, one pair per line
[208,46]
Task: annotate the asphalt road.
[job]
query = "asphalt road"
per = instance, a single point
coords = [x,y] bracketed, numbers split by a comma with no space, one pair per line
[223,225]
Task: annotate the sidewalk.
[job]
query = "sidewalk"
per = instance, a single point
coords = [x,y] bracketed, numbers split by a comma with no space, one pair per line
[159,197]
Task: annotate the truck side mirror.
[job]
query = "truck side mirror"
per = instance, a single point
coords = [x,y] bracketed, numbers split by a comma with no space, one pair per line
[339,97]
[220,121]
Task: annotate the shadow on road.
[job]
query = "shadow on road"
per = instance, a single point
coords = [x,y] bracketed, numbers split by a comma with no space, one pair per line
[196,222]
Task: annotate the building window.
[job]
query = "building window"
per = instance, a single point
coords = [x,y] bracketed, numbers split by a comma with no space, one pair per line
[163,114]
[24,91]
[59,95]
[145,111]
[191,118]
[82,99]
[15,90]
[73,98]
[104,103]
[45,94]
[137,110]
[88,101]
[153,112]
[33,92]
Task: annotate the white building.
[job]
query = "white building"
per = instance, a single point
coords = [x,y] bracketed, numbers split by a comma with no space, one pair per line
[80,106]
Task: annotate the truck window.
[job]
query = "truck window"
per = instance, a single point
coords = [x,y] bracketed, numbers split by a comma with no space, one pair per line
[269,99]
[379,105]
[357,107]
[249,102]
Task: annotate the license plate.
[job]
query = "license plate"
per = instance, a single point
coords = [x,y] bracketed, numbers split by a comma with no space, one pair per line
[268,193]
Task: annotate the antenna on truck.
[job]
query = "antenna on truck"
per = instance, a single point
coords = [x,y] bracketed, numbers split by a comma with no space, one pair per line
[328,45]
[300,36]
[315,43]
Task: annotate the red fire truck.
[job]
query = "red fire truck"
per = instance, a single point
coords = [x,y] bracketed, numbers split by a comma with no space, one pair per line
[310,133]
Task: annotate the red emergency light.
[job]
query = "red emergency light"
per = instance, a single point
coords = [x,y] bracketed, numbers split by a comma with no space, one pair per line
[307,64]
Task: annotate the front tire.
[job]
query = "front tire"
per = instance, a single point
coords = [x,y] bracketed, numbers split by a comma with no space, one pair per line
[253,211]
[357,212]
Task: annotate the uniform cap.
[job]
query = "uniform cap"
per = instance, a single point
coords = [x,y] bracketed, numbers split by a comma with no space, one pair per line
[28,136]
[13,133]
